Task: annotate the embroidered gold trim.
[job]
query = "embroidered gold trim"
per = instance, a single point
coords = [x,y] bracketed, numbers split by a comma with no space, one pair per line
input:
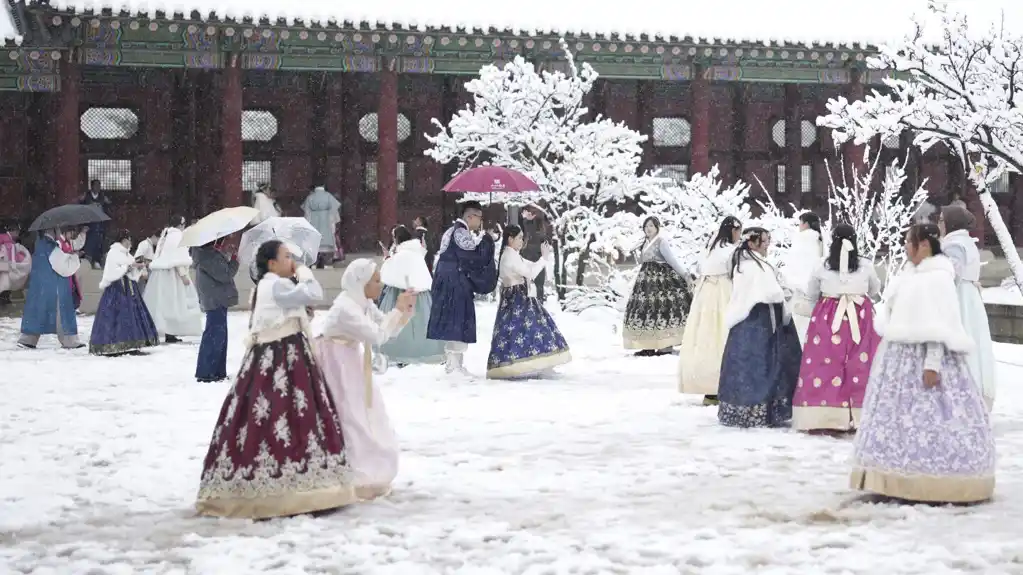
[530,366]
[930,489]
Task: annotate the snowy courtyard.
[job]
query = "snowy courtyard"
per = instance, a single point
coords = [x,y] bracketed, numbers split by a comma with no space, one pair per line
[604,468]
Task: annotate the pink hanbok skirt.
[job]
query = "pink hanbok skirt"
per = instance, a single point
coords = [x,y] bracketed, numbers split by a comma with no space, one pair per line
[835,368]
[370,443]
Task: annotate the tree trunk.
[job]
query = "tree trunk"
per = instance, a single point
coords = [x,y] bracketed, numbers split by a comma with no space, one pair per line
[584,257]
[994,217]
[560,273]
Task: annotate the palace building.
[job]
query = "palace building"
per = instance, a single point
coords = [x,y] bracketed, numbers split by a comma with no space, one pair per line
[182,113]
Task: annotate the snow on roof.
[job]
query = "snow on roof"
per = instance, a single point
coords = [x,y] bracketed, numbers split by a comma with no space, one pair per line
[790,22]
[7,27]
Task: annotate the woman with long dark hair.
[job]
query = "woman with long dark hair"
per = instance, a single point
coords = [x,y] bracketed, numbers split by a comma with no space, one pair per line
[841,341]
[925,434]
[123,323]
[277,449]
[760,364]
[421,231]
[406,270]
[956,243]
[526,340]
[655,316]
[703,341]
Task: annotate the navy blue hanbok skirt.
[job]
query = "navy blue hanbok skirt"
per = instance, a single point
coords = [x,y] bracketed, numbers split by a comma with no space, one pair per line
[759,370]
[526,340]
[122,321]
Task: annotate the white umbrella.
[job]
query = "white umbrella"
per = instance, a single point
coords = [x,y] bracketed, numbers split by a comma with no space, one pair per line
[301,238]
[219,224]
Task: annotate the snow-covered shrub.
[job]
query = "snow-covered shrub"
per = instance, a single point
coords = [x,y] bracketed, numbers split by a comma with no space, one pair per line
[881,218]
[965,92]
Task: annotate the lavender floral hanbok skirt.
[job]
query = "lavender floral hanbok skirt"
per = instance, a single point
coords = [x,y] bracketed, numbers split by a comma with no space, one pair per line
[923,444]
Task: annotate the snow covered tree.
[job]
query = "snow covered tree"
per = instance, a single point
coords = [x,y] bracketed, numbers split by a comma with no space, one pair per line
[535,123]
[964,92]
[881,218]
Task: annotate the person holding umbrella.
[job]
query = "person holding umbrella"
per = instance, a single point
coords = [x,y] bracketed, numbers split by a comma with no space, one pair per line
[466,265]
[215,267]
[49,302]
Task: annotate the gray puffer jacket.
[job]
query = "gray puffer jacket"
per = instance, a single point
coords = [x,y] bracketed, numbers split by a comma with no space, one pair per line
[214,278]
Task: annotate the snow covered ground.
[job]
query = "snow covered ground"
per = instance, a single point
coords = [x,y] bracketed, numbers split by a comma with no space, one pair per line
[603,469]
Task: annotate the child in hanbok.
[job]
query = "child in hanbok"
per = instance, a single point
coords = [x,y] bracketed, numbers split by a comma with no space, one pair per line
[344,351]
[49,301]
[15,265]
[655,316]
[526,340]
[925,433]
[955,222]
[800,263]
[760,364]
[277,449]
[406,270]
[841,340]
[703,341]
[122,323]
[170,294]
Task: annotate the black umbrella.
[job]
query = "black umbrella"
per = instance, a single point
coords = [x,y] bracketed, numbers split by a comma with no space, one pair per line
[67,216]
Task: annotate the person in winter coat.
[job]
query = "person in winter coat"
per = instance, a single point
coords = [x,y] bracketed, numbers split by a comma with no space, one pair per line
[534,226]
[215,269]
[323,211]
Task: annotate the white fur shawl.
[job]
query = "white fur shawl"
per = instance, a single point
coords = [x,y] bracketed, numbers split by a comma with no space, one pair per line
[169,253]
[924,307]
[752,284]
[803,258]
[117,264]
[406,268]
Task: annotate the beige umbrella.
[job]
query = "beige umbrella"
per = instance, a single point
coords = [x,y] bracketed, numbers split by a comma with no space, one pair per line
[219,224]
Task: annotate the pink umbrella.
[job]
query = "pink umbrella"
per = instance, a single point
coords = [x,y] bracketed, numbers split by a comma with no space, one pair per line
[492,179]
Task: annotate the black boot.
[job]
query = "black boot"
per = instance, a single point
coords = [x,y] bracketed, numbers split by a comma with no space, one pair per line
[171,339]
[710,400]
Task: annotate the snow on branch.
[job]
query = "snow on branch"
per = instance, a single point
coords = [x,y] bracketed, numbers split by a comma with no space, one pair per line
[964,92]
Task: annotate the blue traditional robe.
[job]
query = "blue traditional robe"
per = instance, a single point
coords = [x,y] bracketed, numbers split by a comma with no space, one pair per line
[463,269]
[49,294]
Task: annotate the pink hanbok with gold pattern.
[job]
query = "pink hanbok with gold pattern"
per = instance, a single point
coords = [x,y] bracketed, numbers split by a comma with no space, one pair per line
[840,345]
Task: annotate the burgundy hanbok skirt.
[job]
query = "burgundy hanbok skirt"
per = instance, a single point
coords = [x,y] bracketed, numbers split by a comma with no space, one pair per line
[277,448]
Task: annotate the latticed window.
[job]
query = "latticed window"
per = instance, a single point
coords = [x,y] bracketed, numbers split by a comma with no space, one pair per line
[779,184]
[109,123]
[258,126]
[672,132]
[112,174]
[806,178]
[891,142]
[256,172]
[807,133]
[369,127]
[677,173]
[371,176]
[1001,185]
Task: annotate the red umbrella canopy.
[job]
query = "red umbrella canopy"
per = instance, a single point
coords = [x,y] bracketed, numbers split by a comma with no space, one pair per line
[491,179]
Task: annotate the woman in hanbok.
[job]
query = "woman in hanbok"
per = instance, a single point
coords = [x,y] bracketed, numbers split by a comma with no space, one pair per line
[421,231]
[15,264]
[170,294]
[800,263]
[263,201]
[122,322]
[655,316]
[526,340]
[49,301]
[277,448]
[961,249]
[703,340]
[406,270]
[925,434]
[351,329]
[841,341]
[323,211]
[760,364]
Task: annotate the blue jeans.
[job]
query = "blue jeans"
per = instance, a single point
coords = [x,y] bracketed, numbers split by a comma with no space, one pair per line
[212,362]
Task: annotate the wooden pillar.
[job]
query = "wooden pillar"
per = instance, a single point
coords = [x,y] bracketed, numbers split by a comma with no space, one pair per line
[319,121]
[68,182]
[793,146]
[700,146]
[854,154]
[387,156]
[231,135]
[740,103]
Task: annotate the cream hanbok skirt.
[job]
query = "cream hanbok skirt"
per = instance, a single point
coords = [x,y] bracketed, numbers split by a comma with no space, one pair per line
[371,447]
[173,305]
[703,341]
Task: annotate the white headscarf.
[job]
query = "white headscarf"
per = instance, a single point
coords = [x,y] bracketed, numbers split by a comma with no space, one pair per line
[356,276]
